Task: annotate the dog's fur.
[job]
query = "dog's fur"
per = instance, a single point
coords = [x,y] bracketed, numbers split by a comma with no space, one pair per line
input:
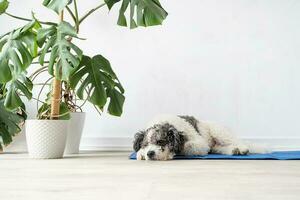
[167,136]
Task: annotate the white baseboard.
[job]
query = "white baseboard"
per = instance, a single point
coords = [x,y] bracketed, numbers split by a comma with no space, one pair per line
[106,143]
[277,143]
[125,143]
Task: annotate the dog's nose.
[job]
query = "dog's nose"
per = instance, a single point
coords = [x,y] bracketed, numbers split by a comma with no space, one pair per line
[150,154]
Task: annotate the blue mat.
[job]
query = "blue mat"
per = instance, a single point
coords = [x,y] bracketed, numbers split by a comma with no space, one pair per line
[276,155]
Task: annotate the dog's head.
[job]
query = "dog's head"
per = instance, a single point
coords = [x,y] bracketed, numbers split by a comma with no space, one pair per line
[159,142]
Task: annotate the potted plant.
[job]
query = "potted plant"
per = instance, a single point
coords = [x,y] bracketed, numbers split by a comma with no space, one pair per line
[72,74]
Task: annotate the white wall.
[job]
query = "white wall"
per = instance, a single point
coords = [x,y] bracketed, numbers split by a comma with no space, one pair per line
[232,61]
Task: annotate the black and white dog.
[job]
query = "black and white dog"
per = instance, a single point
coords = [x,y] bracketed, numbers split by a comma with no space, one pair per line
[167,136]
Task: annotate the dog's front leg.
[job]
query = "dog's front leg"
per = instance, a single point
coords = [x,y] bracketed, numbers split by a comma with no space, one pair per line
[234,149]
[196,147]
[140,155]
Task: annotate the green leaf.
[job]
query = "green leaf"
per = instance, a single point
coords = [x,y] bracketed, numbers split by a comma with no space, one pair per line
[117,99]
[44,33]
[17,51]
[65,56]
[95,78]
[142,12]
[56,5]
[3,6]
[19,85]
[110,3]
[105,65]
[9,124]
[31,43]
[122,18]
[64,112]
[4,134]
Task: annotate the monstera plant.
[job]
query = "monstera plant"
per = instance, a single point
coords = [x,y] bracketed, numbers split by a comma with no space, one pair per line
[51,47]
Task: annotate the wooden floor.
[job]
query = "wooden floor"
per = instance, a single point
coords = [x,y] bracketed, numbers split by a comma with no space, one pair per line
[110,175]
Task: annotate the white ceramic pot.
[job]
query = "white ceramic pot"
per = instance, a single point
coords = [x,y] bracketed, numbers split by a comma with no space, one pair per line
[46,138]
[74,133]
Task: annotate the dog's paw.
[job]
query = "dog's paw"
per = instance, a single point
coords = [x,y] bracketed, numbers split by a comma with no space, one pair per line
[240,150]
[140,155]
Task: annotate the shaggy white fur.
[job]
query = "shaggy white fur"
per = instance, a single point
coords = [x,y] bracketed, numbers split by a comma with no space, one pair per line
[206,137]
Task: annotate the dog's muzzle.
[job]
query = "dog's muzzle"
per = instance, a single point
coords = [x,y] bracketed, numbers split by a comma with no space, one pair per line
[151,155]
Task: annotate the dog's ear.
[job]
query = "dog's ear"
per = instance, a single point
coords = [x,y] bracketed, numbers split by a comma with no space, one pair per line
[176,140]
[138,139]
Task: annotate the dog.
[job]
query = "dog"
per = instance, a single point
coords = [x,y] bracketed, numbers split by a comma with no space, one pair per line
[168,135]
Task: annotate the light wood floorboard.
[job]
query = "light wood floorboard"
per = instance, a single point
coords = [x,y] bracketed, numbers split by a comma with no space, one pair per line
[111,175]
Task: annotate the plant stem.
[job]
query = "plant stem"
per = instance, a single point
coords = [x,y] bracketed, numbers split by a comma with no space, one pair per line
[76,16]
[37,74]
[37,71]
[90,12]
[34,99]
[38,63]
[4,35]
[71,13]
[28,20]
[56,92]
[97,110]
[40,92]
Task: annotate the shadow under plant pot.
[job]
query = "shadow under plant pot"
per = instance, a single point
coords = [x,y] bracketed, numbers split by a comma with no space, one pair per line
[46,139]
[76,125]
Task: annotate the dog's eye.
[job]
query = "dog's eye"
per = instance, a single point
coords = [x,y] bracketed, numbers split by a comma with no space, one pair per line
[161,142]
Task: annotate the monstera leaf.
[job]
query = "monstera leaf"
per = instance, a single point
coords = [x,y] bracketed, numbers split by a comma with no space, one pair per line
[142,12]
[9,124]
[20,85]
[56,5]
[96,77]
[17,51]
[65,56]
[3,6]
